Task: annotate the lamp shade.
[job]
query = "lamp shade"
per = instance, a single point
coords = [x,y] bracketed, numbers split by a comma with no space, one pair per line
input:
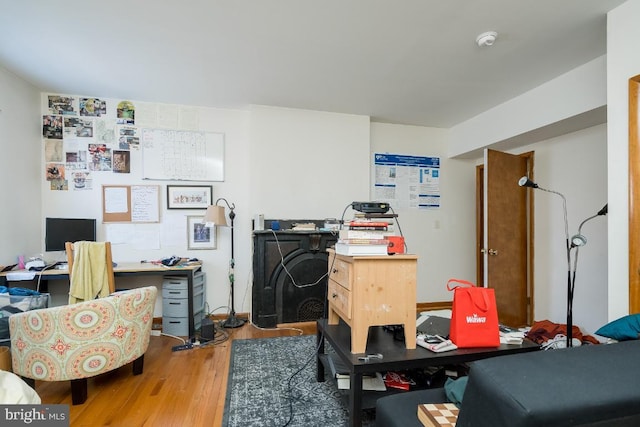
[215,216]
[526,182]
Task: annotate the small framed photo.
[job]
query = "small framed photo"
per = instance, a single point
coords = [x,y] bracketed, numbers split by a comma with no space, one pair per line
[199,236]
[189,196]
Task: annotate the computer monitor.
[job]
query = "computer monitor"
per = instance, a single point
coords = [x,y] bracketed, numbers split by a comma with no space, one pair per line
[58,231]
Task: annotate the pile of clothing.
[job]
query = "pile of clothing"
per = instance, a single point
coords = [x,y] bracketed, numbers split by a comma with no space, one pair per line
[554,335]
[17,300]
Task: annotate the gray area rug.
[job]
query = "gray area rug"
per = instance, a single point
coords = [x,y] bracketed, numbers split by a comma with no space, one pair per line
[272,382]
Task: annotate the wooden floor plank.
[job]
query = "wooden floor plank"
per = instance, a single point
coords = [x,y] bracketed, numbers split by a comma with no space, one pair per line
[176,388]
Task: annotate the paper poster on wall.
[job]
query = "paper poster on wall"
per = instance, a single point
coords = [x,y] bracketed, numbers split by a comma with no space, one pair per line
[406,181]
[130,203]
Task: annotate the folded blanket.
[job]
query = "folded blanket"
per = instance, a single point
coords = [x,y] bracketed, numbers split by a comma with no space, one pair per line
[89,278]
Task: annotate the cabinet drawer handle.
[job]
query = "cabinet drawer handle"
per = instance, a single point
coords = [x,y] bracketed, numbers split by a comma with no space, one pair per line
[335,270]
[334,295]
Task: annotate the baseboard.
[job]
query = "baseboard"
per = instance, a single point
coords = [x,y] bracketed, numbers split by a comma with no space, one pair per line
[421,306]
[244,316]
[298,325]
[438,305]
[157,324]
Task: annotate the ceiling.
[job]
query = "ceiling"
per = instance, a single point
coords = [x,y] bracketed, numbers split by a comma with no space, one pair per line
[404,61]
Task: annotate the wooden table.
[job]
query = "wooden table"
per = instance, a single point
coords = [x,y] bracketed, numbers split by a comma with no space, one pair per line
[395,357]
[121,270]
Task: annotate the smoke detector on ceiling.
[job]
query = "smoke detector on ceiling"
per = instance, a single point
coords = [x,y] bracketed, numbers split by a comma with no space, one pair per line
[486,39]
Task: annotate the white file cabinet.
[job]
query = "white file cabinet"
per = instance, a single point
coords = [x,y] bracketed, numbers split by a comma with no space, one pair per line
[175,305]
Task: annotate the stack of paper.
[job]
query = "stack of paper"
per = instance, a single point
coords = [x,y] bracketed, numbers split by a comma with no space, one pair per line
[511,336]
[375,383]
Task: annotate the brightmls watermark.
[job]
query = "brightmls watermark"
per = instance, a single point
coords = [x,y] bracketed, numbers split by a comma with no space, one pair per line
[34,415]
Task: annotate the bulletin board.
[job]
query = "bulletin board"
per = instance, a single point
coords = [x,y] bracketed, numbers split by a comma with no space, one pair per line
[131,203]
[182,155]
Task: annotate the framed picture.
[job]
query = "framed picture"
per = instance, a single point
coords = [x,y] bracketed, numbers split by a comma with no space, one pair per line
[189,196]
[199,236]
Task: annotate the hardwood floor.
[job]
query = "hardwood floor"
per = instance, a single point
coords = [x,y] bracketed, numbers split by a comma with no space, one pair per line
[184,388]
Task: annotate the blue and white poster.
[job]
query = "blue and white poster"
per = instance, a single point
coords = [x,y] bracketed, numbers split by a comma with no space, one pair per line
[406,181]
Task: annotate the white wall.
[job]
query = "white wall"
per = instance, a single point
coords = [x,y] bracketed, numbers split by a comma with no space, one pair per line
[307,164]
[444,238]
[281,162]
[564,162]
[576,166]
[172,226]
[623,62]
[20,145]
[556,107]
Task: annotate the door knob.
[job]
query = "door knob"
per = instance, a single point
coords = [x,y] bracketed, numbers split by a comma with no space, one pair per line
[493,252]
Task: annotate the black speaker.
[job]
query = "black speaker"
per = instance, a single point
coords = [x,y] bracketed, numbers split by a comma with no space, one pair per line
[208,330]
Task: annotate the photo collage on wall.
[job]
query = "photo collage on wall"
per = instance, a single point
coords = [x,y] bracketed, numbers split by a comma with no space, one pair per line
[81,138]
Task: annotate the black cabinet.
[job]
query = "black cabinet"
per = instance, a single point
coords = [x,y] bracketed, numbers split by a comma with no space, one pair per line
[289,276]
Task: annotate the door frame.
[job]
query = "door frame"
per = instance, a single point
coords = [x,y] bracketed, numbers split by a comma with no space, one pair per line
[634,196]
[480,250]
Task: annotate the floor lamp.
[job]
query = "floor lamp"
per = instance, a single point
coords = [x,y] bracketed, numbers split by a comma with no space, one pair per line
[526,182]
[215,216]
[575,242]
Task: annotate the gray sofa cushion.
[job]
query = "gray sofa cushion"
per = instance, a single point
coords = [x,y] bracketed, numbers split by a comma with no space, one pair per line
[401,410]
[588,385]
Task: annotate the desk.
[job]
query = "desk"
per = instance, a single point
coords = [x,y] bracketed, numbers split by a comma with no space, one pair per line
[122,270]
[396,357]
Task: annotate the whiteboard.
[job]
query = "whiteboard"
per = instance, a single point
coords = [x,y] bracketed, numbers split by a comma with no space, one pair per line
[182,155]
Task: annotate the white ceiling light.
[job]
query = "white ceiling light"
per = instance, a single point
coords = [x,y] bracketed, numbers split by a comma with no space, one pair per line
[486,39]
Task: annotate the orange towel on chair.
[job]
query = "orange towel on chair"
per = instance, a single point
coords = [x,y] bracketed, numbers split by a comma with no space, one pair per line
[89,276]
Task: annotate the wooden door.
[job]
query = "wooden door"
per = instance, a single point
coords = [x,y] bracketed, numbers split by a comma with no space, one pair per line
[506,236]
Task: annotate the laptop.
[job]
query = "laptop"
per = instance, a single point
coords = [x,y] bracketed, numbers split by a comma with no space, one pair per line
[433,325]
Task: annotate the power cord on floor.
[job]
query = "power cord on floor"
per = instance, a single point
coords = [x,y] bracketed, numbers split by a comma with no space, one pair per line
[174,337]
[289,390]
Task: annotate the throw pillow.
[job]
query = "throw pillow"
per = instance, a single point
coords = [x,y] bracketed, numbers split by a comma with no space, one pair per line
[454,389]
[624,328]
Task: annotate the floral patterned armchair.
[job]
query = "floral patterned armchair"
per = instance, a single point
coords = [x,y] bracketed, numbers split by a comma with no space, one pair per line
[78,341]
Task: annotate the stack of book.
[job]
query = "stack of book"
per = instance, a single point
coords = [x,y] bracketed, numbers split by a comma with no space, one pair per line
[364,236]
[355,247]
[362,223]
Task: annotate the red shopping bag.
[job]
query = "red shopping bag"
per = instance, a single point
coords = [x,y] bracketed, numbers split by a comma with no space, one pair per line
[474,317]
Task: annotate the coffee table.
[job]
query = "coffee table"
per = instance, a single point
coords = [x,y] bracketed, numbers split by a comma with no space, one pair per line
[395,357]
